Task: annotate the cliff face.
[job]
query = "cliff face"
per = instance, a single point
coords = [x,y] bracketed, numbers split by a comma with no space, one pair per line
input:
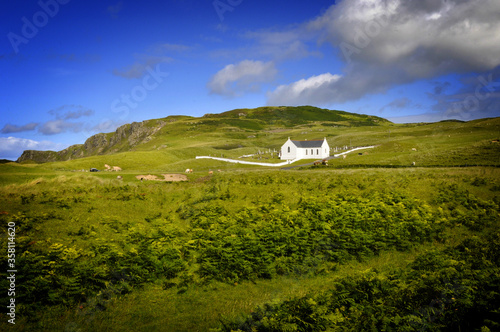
[124,138]
[128,136]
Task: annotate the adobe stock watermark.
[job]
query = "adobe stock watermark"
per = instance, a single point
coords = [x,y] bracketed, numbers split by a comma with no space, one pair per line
[483,90]
[363,37]
[30,28]
[223,6]
[138,93]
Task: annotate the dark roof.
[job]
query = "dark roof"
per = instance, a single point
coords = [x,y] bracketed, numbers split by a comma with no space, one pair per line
[308,144]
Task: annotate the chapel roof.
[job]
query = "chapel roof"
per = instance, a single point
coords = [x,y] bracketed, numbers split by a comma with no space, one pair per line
[308,144]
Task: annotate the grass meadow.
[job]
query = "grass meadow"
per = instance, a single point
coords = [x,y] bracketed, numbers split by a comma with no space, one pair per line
[369,242]
[98,254]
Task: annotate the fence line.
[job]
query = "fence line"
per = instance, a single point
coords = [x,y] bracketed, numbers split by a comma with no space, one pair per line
[287,162]
[248,162]
[355,149]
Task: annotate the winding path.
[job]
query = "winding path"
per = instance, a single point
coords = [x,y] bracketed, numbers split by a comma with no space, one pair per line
[331,157]
[288,162]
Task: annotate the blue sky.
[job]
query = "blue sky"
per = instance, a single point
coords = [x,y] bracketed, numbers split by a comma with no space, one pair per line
[70,68]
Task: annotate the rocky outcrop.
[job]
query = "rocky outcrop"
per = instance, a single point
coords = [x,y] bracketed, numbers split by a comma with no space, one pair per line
[124,138]
[95,144]
[37,156]
[131,135]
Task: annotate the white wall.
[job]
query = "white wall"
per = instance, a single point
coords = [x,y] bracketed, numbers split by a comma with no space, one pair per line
[285,155]
[248,162]
[314,153]
[300,153]
[325,149]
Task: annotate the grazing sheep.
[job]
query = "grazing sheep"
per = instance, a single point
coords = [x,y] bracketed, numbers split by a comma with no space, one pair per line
[413,149]
[108,168]
[119,177]
[210,172]
[116,169]
[413,163]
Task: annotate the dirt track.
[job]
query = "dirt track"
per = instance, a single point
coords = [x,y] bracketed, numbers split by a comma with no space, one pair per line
[166,177]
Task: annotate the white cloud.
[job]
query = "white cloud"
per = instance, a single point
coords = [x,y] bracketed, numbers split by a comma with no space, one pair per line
[315,89]
[106,126]
[478,97]
[400,103]
[113,10]
[277,45]
[386,43]
[246,76]
[66,112]
[140,67]
[171,48]
[281,45]
[12,147]
[59,126]
[10,128]
[417,39]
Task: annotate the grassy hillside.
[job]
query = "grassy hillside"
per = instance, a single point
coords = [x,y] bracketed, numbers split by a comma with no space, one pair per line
[177,145]
[237,124]
[222,252]
[177,140]
[369,242]
[293,116]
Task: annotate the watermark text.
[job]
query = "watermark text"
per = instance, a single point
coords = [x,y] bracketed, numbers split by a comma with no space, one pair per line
[11,272]
[30,27]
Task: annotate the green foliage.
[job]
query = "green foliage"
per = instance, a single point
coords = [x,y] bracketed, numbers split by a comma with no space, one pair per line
[457,289]
[268,240]
[83,242]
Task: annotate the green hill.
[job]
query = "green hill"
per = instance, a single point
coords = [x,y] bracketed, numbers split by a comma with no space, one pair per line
[367,243]
[172,143]
[294,116]
[237,124]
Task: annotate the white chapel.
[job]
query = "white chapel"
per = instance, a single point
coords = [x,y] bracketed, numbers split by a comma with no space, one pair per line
[315,149]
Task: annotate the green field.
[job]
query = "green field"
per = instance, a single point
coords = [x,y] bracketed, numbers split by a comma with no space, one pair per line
[368,243]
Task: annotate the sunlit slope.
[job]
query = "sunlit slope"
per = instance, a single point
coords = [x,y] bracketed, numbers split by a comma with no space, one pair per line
[233,134]
[447,143]
[182,131]
[435,144]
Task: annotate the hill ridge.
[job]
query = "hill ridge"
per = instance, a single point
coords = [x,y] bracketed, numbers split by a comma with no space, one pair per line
[131,135]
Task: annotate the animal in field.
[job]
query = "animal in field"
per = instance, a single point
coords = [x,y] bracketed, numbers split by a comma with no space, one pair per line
[188,170]
[210,172]
[344,156]
[116,169]
[119,177]
[108,168]
[317,163]
[324,162]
